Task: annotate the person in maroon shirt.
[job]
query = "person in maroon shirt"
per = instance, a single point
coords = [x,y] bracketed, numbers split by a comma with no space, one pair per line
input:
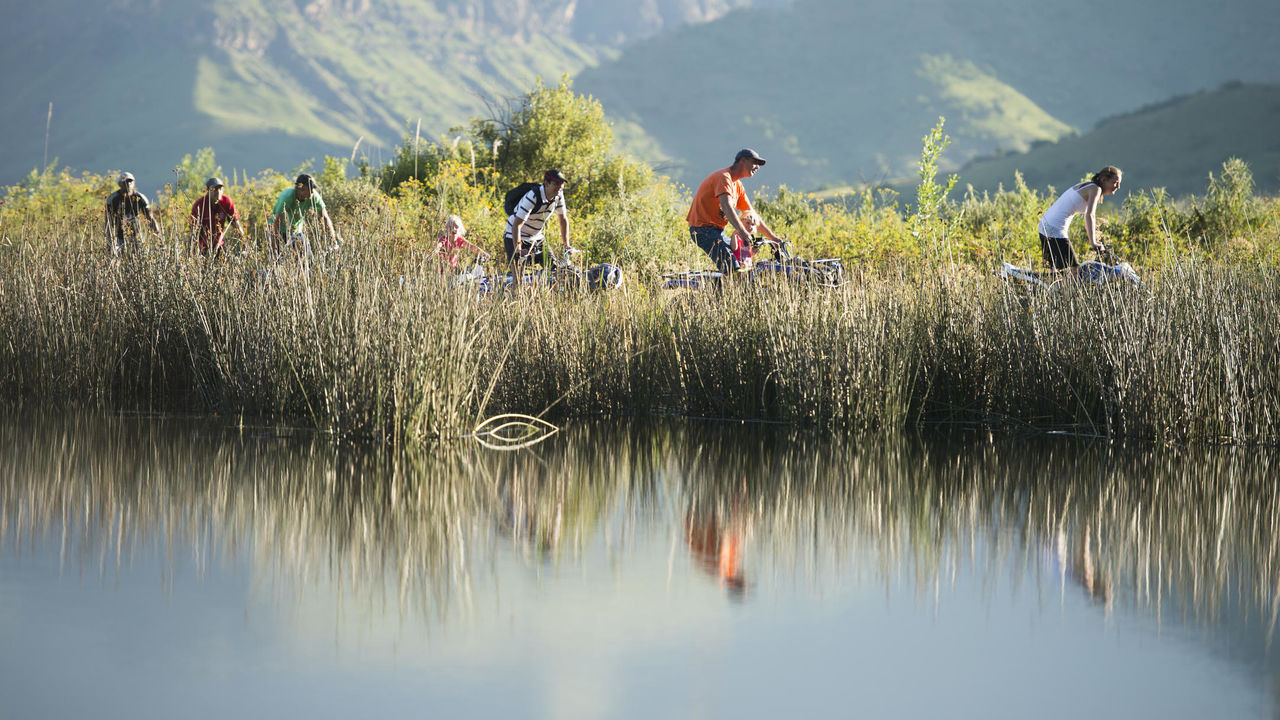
[211,216]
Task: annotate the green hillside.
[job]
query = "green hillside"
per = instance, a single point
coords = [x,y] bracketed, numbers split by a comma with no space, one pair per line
[841,91]
[1174,145]
[137,84]
[832,91]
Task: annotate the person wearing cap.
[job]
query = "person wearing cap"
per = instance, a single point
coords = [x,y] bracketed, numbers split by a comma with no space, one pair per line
[716,204]
[123,209]
[527,221]
[211,217]
[294,207]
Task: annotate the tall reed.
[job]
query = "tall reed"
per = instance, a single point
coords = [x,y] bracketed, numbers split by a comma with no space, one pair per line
[368,343]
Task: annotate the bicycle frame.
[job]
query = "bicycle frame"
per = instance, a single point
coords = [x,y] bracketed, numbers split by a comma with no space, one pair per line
[564,275]
[825,272]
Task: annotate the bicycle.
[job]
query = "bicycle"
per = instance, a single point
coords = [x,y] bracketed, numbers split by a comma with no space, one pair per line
[824,272]
[563,275]
[1105,269]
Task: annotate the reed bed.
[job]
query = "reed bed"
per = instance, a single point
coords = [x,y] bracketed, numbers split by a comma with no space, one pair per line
[368,344]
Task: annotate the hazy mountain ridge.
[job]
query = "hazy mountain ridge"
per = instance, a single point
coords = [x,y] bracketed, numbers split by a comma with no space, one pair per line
[138,83]
[832,91]
[1173,144]
[840,90]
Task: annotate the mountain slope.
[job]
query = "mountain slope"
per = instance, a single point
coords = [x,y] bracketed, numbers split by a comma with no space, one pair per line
[832,91]
[1174,145]
[138,83]
[842,91]
[266,84]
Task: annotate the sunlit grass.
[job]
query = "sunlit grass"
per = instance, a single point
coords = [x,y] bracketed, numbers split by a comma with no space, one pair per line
[373,343]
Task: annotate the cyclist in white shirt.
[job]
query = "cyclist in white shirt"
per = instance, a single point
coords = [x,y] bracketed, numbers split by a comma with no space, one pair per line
[1082,198]
[527,222]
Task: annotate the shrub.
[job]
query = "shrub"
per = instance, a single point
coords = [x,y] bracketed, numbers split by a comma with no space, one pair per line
[1229,210]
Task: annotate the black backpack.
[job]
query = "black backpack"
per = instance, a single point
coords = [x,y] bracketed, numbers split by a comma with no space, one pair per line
[517,193]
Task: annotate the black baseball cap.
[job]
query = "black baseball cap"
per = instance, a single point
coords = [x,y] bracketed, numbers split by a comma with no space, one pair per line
[305,179]
[212,182]
[553,175]
[749,153]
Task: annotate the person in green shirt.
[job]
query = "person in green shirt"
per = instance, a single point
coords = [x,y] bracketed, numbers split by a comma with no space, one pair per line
[295,207]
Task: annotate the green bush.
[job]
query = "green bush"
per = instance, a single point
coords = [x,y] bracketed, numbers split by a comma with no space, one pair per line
[557,128]
[1229,210]
[621,212]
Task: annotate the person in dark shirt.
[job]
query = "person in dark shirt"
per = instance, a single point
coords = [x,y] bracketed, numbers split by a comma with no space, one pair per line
[123,210]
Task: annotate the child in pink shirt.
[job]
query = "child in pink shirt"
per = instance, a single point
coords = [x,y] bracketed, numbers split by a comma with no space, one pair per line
[449,246]
[744,251]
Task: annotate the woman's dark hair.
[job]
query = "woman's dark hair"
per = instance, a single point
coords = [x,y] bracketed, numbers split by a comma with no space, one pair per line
[1110,171]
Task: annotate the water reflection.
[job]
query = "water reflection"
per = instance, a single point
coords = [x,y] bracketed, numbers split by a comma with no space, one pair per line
[1164,533]
[748,514]
[716,546]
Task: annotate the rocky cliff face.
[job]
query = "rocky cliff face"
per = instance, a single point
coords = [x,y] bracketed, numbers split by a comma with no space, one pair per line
[270,82]
[249,26]
[610,22]
[617,23]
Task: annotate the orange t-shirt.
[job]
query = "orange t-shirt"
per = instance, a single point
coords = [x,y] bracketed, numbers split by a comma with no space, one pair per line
[706,201]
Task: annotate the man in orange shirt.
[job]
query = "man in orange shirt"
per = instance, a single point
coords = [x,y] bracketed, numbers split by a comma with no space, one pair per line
[716,204]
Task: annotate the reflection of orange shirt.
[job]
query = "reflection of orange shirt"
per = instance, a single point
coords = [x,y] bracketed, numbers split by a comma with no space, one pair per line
[716,550]
[706,201]
[729,553]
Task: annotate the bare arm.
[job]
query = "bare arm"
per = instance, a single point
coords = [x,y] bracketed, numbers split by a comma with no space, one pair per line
[516,226]
[564,229]
[217,244]
[732,216]
[328,226]
[768,232]
[1092,194]
[479,250]
[244,238]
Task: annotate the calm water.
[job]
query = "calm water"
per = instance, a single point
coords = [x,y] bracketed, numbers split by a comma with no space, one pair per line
[175,568]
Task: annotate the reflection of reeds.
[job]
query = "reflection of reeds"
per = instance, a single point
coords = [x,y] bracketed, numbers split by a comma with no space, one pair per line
[1191,532]
[1194,531]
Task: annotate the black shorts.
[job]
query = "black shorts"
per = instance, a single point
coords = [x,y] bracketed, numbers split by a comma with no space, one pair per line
[1058,253]
[537,255]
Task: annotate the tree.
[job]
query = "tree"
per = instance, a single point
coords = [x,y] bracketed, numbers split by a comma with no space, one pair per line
[553,127]
[193,172]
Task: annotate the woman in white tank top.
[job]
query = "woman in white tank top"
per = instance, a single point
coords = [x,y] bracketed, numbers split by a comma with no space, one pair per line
[1077,199]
